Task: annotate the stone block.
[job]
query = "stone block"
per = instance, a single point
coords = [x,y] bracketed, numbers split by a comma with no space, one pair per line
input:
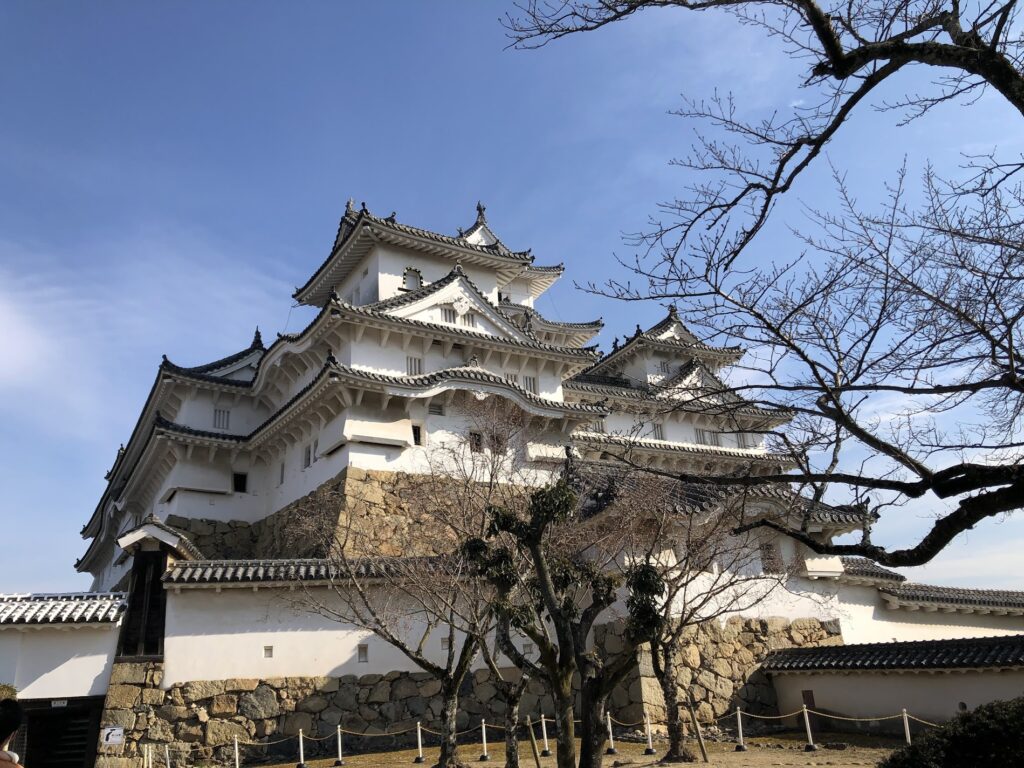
[202,689]
[123,696]
[224,705]
[327,684]
[345,699]
[160,730]
[173,713]
[380,693]
[153,696]
[240,685]
[294,721]
[404,688]
[189,732]
[125,718]
[331,716]
[259,704]
[220,732]
[313,704]
[127,672]
[430,688]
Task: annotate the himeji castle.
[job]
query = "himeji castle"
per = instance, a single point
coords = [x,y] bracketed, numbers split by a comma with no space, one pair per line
[185,639]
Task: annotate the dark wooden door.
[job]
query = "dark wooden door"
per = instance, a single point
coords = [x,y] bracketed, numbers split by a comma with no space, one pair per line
[62,736]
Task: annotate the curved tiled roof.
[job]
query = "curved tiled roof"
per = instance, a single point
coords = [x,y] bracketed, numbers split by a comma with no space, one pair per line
[625,441]
[286,571]
[184,542]
[507,306]
[72,608]
[861,567]
[352,221]
[954,597]
[224,362]
[921,655]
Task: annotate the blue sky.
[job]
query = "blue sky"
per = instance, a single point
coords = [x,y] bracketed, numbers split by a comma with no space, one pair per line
[169,172]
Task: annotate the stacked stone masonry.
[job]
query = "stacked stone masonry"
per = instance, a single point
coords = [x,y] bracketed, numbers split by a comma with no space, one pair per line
[719,663]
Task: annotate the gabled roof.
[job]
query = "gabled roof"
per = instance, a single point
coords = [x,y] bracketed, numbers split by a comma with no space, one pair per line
[531,321]
[479,241]
[914,656]
[931,597]
[153,528]
[67,609]
[654,338]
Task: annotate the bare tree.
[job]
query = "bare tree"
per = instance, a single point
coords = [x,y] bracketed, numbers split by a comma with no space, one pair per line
[892,341]
[582,569]
[423,598]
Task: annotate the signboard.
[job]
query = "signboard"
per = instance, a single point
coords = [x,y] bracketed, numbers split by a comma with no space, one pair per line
[59,703]
[112,734]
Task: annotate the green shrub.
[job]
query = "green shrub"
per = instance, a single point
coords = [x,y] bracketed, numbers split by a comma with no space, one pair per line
[991,736]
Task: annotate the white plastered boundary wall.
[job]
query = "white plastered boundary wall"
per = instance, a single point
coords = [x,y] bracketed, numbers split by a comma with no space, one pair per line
[929,696]
[213,635]
[865,618]
[50,663]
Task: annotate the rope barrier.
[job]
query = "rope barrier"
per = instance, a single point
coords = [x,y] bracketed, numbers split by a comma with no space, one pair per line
[923,722]
[854,719]
[626,725]
[773,717]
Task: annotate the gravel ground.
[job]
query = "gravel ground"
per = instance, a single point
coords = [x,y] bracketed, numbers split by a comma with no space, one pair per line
[780,750]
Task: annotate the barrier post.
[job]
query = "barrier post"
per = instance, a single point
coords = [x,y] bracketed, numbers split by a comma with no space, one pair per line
[740,747]
[533,741]
[484,757]
[906,726]
[167,756]
[341,757]
[650,738]
[611,739]
[302,751]
[546,752]
[810,739]
[419,744]
[237,761]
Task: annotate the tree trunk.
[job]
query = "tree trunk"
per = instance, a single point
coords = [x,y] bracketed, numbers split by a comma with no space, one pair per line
[513,695]
[668,678]
[593,729]
[449,757]
[565,751]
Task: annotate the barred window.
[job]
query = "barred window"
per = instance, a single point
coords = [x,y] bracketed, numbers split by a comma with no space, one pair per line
[414,365]
[469,320]
[707,437]
[221,418]
[448,315]
[530,384]
[658,431]
[435,409]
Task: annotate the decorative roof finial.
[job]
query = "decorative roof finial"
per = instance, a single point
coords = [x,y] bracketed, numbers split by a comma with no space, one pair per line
[257,340]
[481,218]
[458,270]
[639,330]
[363,208]
[350,206]
[392,218]
[615,343]
[672,311]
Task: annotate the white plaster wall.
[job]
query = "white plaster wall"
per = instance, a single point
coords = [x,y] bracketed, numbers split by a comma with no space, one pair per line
[865,619]
[392,263]
[57,663]
[213,636]
[930,696]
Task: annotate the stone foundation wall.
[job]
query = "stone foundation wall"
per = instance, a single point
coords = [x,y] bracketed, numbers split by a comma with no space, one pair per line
[371,505]
[204,717]
[719,663]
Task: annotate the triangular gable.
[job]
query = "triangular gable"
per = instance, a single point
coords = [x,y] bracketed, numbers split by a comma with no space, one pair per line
[458,294]
[673,330]
[695,377]
[152,529]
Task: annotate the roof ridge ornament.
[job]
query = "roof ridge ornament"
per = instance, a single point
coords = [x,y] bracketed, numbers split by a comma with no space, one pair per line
[257,340]
[481,215]
[350,206]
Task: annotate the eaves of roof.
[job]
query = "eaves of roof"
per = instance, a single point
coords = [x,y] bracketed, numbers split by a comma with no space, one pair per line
[913,656]
[928,596]
[627,442]
[292,571]
[868,570]
[82,608]
[508,307]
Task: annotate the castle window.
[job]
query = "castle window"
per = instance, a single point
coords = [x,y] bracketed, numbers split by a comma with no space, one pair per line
[469,320]
[658,431]
[476,442]
[363,653]
[527,649]
[707,437]
[512,378]
[664,366]
[771,560]
[413,365]
[530,384]
[448,315]
[221,418]
[268,651]
[417,434]
[239,482]
[598,426]
[307,456]
[435,409]
[412,279]
[446,643]
[280,479]
[316,449]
